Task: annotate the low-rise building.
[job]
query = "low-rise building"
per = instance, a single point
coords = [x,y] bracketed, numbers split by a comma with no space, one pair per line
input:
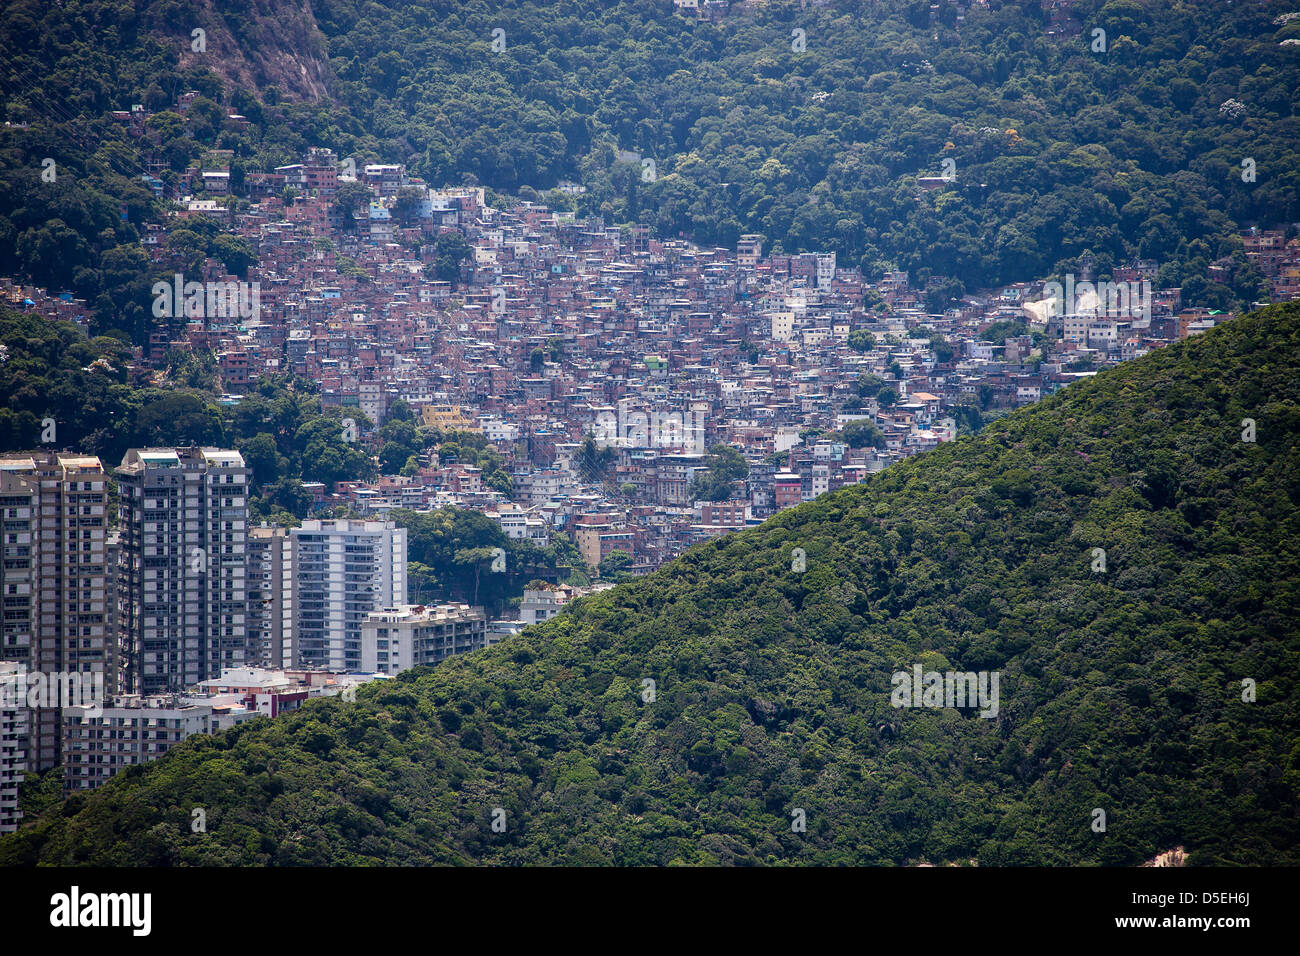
[266,692]
[98,741]
[542,604]
[399,638]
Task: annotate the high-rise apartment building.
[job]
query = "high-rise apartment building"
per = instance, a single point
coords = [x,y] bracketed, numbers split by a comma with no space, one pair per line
[270,597]
[13,745]
[342,570]
[56,586]
[182,577]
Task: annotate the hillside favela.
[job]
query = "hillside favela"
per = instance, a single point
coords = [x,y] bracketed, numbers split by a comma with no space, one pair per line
[654,433]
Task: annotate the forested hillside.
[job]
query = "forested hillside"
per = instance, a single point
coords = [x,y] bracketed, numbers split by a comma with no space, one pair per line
[1159,688]
[809,124]
[816,139]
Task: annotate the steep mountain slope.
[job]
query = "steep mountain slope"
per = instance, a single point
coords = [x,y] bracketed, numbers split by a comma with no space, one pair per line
[1120,690]
[255,44]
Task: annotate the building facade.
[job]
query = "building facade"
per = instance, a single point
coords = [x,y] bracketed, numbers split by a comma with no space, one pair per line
[183,603]
[55,583]
[133,729]
[270,597]
[542,604]
[342,570]
[395,639]
[13,751]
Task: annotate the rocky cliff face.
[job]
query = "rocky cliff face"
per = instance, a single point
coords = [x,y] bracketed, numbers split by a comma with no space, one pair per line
[259,43]
[1174,857]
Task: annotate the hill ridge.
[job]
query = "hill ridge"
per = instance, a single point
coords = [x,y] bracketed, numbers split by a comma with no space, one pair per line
[1121,690]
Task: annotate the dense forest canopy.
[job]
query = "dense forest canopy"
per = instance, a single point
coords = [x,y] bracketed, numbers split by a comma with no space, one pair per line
[816,140]
[808,124]
[1158,688]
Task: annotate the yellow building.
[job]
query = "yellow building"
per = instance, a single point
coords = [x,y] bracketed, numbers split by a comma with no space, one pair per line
[446,417]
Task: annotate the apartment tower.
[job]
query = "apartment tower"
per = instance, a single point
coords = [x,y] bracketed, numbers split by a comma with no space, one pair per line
[56,585]
[183,560]
[342,570]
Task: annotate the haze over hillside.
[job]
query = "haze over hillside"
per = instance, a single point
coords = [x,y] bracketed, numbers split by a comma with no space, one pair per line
[1124,687]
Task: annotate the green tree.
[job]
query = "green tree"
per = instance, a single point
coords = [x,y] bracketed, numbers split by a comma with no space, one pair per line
[724,467]
[862,434]
[613,565]
[407,204]
[350,197]
[861,340]
[450,250]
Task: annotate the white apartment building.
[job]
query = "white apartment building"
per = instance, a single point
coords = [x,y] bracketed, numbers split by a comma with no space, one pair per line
[497,431]
[182,575]
[395,639]
[133,729]
[543,604]
[825,269]
[13,747]
[1026,394]
[521,526]
[821,480]
[373,401]
[1103,335]
[341,571]
[546,484]
[782,326]
[56,585]
[270,596]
